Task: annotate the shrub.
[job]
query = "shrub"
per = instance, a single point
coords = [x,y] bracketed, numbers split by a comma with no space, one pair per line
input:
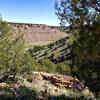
[11,52]
[47,65]
[63,69]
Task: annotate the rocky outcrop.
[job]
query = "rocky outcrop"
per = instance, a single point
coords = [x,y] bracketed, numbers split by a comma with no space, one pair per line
[59,80]
[54,84]
[42,85]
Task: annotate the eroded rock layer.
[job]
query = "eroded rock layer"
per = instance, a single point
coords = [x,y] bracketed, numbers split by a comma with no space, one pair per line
[46,86]
[37,33]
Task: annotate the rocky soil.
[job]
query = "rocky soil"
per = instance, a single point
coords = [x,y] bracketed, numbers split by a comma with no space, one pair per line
[48,86]
[55,85]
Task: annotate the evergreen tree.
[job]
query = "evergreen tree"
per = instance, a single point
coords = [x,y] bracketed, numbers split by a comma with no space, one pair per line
[11,52]
[84,15]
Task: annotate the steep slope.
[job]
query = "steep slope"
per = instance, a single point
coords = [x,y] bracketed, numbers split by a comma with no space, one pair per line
[57,52]
[37,34]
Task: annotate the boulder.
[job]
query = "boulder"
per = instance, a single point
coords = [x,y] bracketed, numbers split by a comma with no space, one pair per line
[57,84]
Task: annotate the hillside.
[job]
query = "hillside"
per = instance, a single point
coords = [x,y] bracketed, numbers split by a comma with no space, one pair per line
[57,52]
[37,34]
[22,70]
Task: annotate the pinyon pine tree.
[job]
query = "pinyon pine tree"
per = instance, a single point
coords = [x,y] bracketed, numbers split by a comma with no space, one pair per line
[11,52]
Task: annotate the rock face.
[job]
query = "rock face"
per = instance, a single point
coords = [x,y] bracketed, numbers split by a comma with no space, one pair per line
[37,33]
[46,86]
[54,84]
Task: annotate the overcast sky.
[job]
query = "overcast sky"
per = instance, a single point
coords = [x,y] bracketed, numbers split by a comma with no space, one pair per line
[29,11]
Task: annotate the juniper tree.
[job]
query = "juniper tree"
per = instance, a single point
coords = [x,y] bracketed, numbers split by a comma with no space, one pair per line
[13,57]
[85,16]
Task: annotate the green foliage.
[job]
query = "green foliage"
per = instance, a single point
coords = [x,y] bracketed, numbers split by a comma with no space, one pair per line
[22,93]
[63,69]
[27,63]
[7,52]
[47,65]
[13,59]
[36,48]
[87,51]
[77,12]
[84,15]
[52,57]
[26,93]
[50,45]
